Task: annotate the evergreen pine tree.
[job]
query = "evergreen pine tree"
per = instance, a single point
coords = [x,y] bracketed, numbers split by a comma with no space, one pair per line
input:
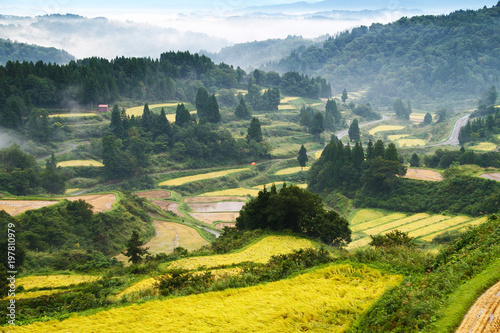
[182,115]
[302,158]
[391,153]
[354,134]
[344,96]
[427,118]
[135,251]
[212,110]
[254,131]
[317,127]
[147,119]
[241,111]
[116,125]
[201,101]
[414,160]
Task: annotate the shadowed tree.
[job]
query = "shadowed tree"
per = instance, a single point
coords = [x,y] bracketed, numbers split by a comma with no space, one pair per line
[201,101]
[182,115]
[354,134]
[241,111]
[344,96]
[135,251]
[254,131]
[302,158]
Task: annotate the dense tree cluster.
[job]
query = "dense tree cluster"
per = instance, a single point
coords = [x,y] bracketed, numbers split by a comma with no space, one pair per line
[312,119]
[295,84]
[295,209]
[402,111]
[443,159]
[24,52]
[127,148]
[20,174]
[267,101]
[428,57]
[344,169]
[480,129]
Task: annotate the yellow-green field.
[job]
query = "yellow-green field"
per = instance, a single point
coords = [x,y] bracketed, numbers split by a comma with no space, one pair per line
[317,154]
[397,136]
[417,117]
[385,128]
[369,222]
[73,163]
[138,110]
[484,146]
[259,252]
[411,142]
[326,300]
[289,171]
[53,281]
[70,115]
[278,185]
[171,117]
[240,191]
[189,179]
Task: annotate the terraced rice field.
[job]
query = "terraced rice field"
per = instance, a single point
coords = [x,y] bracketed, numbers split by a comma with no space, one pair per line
[396,137]
[210,207]
[16,207]
[215,199]
[240,191]
[411,142]
[73,163]
[417,117]
[368,222]
[491,175]
[99,202]
[171,116]
[484,315]
[326,300]
[210,218]
[169,206]
[155,194]
[73,115]
[138,110]
[54,281]
[484,146]
[424,174]
[203,176]
[289,171]
[385,128]
[278,185]
[170,235]
[259,252]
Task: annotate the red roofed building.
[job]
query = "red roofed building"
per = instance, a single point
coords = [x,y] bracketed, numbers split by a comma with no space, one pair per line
[103,107]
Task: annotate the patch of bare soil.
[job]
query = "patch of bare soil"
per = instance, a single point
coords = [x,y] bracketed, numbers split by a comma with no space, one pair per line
[16,207]
[224,206]
[216,198]
[167,205]
[424,174]
[491,175]
[210,218]
[154,194]
[484,315]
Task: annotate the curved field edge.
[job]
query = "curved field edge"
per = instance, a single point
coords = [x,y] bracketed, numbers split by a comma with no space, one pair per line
[327,299]
[459,303]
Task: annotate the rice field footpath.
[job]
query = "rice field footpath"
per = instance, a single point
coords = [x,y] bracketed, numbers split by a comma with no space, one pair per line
[422,226]
[329,299]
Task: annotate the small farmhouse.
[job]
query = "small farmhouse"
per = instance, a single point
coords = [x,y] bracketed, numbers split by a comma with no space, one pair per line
[103,107]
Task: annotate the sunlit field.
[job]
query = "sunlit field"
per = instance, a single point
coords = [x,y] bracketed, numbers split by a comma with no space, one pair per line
[73,163]
[385,128]
[189,179]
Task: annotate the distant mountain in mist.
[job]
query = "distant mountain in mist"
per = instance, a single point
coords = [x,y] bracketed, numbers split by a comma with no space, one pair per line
[102,37]
[255,54]
[24,52]
[444,59]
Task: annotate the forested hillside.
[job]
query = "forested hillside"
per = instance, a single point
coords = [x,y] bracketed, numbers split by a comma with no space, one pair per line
[438,58]
[14,51]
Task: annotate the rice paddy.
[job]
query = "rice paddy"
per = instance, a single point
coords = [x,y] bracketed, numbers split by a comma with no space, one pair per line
[369,222]
[385,128]
[326,300]
[397,136]
[73,115]
[484,146]
[424,174]
[411,142]
[203,176]
[138,110]
[240,191]
[73,163]
[289,171]
[54,281]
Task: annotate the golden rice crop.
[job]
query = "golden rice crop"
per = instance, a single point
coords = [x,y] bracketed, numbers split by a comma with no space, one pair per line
[260,252]
[38,293]
[364,215]
[80,163]
[411,142]
[395,224]
[278,185]
[441,226]
[318,154]
[370,224]
[70,115]
[460,227]
[210,175]
[138,110]
[240,191]
[422,223]
[397,136]
[358,243]
[326,300]
[484,146]
[149,283]
[54,281]
[385,128]
[288,171]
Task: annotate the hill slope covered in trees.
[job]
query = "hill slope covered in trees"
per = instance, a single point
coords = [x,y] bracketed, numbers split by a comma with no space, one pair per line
[14,51]
[444,57]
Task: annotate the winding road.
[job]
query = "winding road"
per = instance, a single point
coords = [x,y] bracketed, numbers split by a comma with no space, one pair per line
[453,139]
